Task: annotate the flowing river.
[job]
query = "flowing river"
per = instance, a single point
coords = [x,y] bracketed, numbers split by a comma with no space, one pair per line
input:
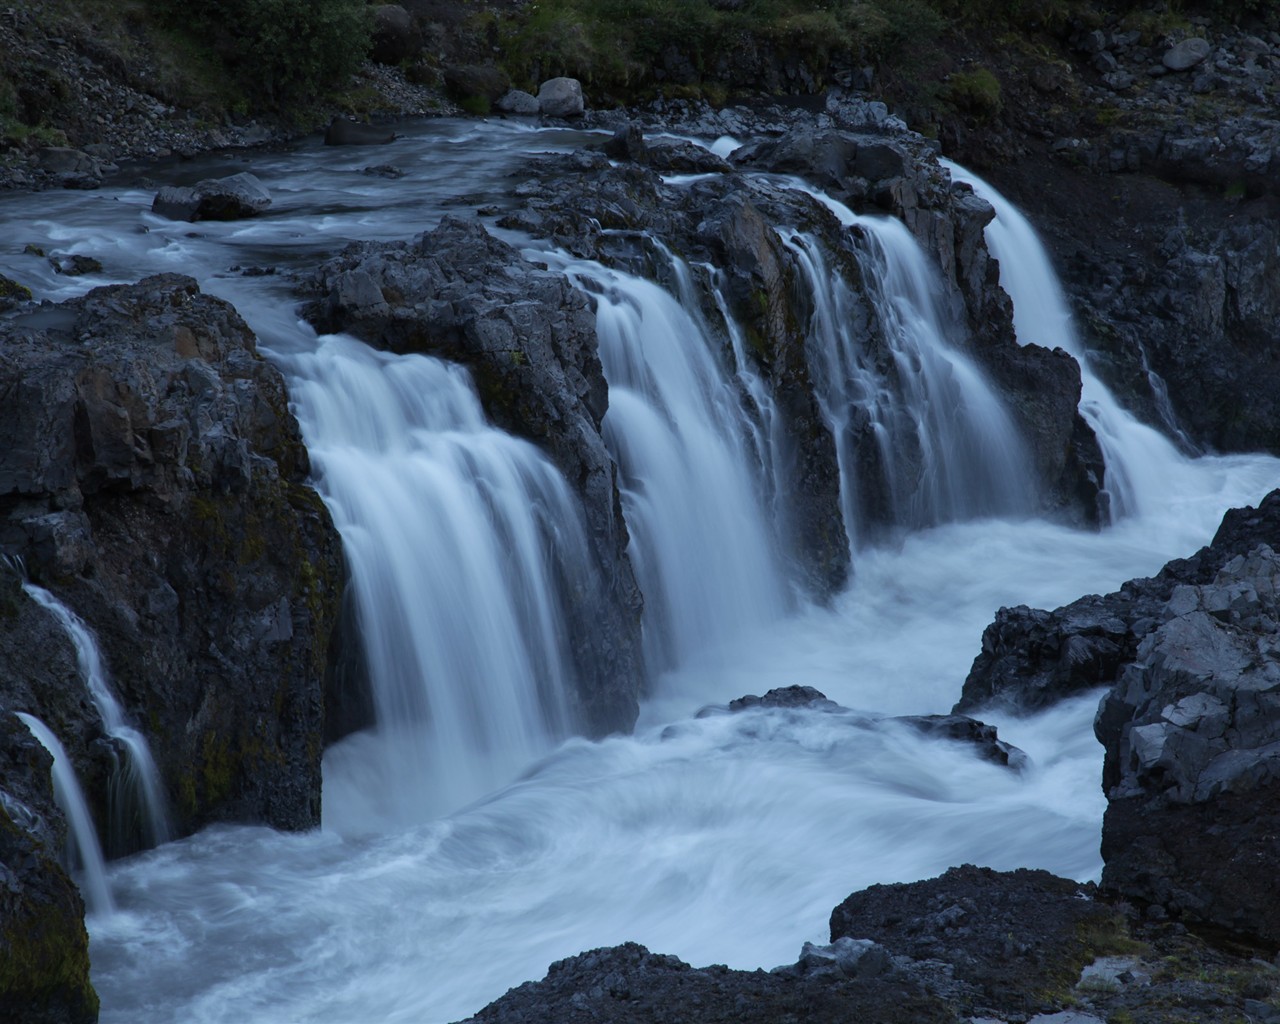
[460,857]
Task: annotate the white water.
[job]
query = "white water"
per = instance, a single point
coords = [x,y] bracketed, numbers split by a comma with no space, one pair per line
[1144,468]
[673,837]
[84,853]
[461,540]
[927,431]
[137,804]
[693,497]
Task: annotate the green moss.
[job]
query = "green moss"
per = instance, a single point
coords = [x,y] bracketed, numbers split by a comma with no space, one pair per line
[11,289]
[479,106]
[976,91]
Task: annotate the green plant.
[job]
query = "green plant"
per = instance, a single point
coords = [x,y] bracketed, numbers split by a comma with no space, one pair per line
[976,91]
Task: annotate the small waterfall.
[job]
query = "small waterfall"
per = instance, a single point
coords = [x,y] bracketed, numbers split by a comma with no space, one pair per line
[462,542]
[701,543]
[83,850]
[137,809]
[921,437]
[1142,465]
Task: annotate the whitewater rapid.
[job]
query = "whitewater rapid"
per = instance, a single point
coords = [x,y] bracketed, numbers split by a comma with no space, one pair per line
[673,837]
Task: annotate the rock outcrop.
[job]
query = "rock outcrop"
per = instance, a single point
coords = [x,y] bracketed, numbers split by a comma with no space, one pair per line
[152,478]
[528,338]
[44,949]
[1191,725]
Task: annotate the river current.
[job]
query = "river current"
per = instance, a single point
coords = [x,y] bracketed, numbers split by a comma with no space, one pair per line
[719,838]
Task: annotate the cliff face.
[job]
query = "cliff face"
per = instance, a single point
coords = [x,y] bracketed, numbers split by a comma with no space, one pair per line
[152,479]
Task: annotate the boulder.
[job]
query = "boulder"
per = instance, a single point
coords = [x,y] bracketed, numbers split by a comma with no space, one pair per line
[343,131]
[1187,54]
[395,38]
[528,338]
[476,82]
[518,102]
[561,97]
[628,144]
[232,198]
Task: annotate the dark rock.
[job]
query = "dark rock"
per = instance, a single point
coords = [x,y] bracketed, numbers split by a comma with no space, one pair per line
[628,144]
[395,38]
[629,985]
[74,264]
[476,81]
[529,340]
[969,730]
[152,477]
[44,948]
[785,697]
[389,171]
[12,293]
[343,131]
[680,157]
[1032,658]
[1012,939]
[231,198]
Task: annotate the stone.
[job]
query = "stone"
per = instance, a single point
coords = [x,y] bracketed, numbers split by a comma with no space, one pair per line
[395,38]
[628,144]
[561,97]
[518,102]
[231,198]
[1187,54]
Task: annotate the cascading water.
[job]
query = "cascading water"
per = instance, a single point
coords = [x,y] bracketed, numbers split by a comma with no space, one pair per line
[1143,466]
[137,809]
[461,541]
[701,545]
[923,438]
[671,837]
[83,848]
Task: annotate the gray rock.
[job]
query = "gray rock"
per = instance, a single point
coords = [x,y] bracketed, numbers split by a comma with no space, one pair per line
[518,102]
[343,131]
[561,97]
[1187,54]
[395,38]
[231,198]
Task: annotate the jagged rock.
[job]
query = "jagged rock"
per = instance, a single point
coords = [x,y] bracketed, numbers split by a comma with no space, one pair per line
[1032,658]
[628,144]
[343,131]
[44,949]
[561,97]
[152,477]
[518,102]
[629,985]
[529,339]
[231,198]
[1187,54]
[680,157]
[785,697]
[969,730]
[12,293]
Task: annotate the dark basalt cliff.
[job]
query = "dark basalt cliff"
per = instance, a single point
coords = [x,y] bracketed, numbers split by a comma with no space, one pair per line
[152,478]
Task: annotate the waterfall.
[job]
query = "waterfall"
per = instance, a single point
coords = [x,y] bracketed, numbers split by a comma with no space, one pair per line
[1143,467]
[701,542]
[921,437]
[137,808]
[462,543]
[83,849]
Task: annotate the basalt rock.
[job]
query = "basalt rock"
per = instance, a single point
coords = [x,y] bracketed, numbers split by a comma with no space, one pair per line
[528,338]
[44,949]
[231,198]
[1191,725]
[153,479]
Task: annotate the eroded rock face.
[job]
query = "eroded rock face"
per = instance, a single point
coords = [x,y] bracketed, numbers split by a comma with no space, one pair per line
[1191,726]
[44,949]
[528,338]
[152,478]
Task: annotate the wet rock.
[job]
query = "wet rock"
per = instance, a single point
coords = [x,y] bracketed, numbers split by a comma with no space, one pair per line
[969,730]
[561,97]
[628,144]
[529,340]
[785,697]
[231,198]
[12,293]
[343,131]
[44,948]
[74,264]
[153,479]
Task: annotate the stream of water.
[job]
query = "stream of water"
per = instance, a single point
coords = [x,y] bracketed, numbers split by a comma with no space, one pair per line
[542,846]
